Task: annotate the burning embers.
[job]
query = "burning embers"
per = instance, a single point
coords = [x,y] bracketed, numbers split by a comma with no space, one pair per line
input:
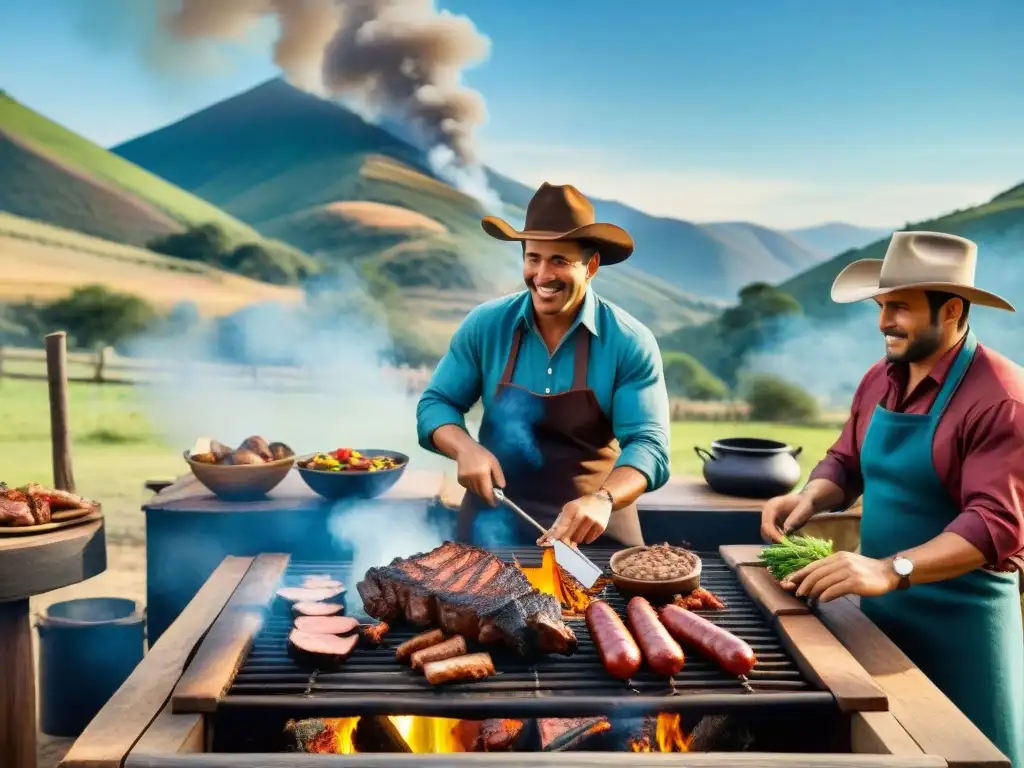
[551,579]
[437,735]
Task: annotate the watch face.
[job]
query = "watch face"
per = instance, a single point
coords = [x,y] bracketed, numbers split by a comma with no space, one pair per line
[902,566]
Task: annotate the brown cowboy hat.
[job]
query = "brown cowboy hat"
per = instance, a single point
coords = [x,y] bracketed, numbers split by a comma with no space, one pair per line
[564,213]
[927,261]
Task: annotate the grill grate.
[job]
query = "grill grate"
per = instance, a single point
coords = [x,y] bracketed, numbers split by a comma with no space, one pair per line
[372,682]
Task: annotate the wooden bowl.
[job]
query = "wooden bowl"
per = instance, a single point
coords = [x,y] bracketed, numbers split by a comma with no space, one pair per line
[659,588]
[241,482]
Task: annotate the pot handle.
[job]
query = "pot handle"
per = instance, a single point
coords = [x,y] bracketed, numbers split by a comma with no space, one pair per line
[702,454]
[796,452]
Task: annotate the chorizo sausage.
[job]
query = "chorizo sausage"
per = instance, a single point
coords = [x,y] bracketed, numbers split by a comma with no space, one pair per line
[453,646]
[619,652]
[730,652]
[413,644]
[663,654]
[473,666]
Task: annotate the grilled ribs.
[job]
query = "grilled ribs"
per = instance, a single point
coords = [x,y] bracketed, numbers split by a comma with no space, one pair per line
[468,591]
[31,504]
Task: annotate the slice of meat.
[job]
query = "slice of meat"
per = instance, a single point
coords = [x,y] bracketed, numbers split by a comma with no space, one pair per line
[320,650]
[497,735]
[326,625]
[322,582]
[307,595]
[557,733]
[453,646]
[317,609]
[461,669]
[15,509]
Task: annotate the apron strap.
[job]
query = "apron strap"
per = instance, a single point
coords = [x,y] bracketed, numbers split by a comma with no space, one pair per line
[581,358]
[955,376]
[513,356]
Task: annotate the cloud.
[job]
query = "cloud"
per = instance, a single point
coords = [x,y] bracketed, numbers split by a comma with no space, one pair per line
[696,194]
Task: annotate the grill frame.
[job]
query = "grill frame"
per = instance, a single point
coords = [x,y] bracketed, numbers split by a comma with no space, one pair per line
[555,686]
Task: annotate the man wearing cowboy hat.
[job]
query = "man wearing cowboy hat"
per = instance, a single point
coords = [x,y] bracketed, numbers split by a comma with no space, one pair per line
[935,443]
[576,414]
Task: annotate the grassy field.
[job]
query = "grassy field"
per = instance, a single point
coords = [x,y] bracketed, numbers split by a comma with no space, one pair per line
[115,450]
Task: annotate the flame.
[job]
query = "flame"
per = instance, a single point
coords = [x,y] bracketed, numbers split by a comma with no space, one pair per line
[551,579]
[423,735]
[668,736]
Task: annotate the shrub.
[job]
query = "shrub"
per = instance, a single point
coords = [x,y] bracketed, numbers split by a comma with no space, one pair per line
[686,377]
[774,399]
[94,316]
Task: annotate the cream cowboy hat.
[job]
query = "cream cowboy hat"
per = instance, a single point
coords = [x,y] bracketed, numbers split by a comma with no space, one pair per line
[930,261]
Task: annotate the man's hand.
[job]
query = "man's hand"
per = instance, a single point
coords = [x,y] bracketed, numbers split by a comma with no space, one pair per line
[844,573]
[783,514]
[581,521]
[479,471]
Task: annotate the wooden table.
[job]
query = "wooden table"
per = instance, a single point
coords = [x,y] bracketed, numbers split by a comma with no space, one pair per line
[31,565]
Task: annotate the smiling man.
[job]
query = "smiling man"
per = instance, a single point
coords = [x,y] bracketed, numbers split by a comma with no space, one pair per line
[935,443]
[576,414]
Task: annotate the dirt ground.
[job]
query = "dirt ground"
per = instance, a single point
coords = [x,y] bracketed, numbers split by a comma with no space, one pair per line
[125,577]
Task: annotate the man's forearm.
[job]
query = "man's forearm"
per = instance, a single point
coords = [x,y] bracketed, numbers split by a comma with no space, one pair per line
[450,439]
[626,485]
[945,557]
[824,494]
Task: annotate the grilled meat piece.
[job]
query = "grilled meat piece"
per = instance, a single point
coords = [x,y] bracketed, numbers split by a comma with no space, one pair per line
[280,451]
[497,735]
[257,445]
[558,733]
[467,591]
[15,508]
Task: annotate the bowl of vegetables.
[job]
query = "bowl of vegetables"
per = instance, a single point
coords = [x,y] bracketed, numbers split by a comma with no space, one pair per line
[352,473]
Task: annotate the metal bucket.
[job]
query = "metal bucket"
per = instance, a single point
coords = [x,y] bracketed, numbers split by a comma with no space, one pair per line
[87,649]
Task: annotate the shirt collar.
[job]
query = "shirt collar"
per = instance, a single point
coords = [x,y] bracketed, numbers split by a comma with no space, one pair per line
[898,371]
[587,315]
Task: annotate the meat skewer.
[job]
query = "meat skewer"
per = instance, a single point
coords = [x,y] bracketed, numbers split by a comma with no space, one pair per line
[326,625]
[729,651]
[453,646]
[663,654]
[473,666]
[619,652]
[421,641]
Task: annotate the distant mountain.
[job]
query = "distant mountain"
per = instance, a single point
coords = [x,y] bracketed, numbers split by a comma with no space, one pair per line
[281,160]
[836,237]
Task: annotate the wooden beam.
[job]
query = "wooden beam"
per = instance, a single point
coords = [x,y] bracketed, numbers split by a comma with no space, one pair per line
[222,652]
[118,726]
[880,733]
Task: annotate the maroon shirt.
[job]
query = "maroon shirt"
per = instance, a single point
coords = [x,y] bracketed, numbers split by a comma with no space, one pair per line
[978,448]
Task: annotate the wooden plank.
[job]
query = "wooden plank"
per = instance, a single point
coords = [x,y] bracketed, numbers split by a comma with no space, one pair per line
[764,589]
[229,639]
[736,555]
[823,657]
[552,760]
[129,712]
[931,719]
[880,733]
[170,734]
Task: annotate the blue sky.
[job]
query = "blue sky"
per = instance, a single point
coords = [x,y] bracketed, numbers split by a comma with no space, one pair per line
[783,112]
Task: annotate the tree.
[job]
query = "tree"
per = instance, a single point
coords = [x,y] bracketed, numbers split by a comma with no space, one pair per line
[206,243]
[686,377]
[754,323]
[95,316]
[774,399]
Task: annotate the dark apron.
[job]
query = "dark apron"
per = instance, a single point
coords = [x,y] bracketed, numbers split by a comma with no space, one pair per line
[963,633]
[552,449]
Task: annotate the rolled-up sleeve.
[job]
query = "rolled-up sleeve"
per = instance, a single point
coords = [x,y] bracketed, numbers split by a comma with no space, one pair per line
[992,484]
[640,411]
[454,386]
[841,464]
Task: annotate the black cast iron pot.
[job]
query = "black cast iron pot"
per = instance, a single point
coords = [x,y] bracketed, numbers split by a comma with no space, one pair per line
[750,467]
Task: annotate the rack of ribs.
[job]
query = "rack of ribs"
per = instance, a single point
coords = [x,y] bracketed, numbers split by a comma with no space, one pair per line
[468,591]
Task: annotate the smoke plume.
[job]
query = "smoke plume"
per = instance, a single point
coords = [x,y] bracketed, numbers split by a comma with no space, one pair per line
[396,59]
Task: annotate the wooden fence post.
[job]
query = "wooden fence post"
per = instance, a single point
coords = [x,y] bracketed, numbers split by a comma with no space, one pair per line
[101,364]
[60,438]
[1,363]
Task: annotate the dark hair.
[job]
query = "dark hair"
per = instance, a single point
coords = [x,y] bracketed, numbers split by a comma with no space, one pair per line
[587,247]
[937,300]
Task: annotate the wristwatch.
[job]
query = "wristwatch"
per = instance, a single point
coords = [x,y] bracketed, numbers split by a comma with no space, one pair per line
[604,493]
[903,568]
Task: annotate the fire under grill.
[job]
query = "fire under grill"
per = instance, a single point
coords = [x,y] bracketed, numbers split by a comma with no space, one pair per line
[372,683]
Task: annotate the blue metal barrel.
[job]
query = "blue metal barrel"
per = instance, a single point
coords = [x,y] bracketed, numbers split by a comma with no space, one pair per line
[87,649]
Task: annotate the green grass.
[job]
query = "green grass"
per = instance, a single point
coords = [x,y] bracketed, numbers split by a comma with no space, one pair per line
[67,147]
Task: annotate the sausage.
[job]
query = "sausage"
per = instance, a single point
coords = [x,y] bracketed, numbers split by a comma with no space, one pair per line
[453,646]
[729,651]
[421,641]
[619,652]
[663,654]
[473,666]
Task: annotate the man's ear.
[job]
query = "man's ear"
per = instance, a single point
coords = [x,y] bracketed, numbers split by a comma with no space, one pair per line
[593,264]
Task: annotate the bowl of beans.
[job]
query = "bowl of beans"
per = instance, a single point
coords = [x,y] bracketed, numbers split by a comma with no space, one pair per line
[660,570]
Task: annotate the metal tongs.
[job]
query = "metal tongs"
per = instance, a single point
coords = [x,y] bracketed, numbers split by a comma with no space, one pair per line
[579,566]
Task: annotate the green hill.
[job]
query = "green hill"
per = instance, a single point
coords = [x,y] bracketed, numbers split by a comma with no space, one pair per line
[273,152]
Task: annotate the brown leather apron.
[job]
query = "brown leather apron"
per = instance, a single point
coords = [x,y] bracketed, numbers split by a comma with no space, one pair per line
[577,451]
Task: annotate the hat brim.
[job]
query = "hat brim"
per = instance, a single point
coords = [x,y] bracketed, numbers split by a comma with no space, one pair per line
[614,244]
[859,281]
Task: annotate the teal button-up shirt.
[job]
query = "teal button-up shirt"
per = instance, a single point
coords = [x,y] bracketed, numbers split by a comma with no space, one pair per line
[625,372]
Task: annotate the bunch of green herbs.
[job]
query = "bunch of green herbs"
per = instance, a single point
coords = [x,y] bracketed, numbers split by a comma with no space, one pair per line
[793,553]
